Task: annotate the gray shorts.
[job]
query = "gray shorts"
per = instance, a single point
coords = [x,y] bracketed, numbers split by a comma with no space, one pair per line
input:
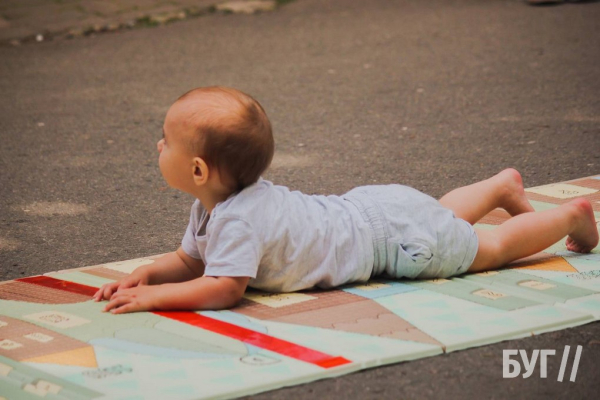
[413,235]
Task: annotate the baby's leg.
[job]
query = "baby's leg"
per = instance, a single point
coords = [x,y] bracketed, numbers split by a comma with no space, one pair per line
[529,233]
[473,202]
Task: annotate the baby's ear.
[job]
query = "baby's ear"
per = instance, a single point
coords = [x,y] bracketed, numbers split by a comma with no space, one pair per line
[200,171]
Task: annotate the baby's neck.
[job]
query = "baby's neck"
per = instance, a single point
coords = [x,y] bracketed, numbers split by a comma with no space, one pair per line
[210,199]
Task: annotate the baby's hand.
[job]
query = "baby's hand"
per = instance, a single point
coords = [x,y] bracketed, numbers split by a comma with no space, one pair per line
[108,289]
[140,298]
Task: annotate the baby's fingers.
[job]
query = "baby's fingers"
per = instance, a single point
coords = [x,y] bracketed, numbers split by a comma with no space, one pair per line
[106,291]
[120,304]
[129,307]
[116,302]
[109,290]
[98,295]
[127,283]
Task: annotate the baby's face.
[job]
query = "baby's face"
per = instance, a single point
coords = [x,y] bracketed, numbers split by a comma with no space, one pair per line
[175,160]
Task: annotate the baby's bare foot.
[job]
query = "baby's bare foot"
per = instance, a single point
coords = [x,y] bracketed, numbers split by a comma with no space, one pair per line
[585,236]
[515,201]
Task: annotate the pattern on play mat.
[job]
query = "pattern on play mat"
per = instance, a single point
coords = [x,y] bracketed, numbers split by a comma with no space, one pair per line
[56,342]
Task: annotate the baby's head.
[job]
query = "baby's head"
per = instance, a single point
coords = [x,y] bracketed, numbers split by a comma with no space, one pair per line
[227,129]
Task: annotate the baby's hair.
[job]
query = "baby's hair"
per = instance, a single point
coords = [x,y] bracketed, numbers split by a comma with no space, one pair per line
[232,134]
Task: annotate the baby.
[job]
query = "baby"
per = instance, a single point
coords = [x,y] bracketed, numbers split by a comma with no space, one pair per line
[245,231]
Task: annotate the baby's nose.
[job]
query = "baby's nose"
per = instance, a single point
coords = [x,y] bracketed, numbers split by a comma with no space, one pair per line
[159,145]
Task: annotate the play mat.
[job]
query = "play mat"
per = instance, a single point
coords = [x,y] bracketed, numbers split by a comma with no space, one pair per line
[56,343]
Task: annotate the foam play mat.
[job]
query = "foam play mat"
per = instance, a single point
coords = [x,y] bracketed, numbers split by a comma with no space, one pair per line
[55,341]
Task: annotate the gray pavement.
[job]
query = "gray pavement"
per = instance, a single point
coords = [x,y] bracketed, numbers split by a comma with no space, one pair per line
[432,94]
[23,21]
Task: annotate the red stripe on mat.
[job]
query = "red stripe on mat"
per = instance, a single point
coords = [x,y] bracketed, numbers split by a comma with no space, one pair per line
[245,335]
[66,286]
[256,338]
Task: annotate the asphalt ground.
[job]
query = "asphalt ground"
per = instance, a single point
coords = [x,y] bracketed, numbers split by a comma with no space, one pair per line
[25,21]
[434,95]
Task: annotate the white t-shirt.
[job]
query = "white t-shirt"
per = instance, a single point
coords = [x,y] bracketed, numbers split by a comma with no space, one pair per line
[285,241]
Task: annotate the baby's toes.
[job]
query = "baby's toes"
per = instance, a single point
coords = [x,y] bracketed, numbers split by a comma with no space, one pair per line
[570,244]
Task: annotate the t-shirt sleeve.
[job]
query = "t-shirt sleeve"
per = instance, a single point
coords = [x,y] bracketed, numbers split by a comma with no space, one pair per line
[232,249]
[188,243]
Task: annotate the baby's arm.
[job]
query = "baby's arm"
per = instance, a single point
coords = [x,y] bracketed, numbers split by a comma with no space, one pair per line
[205,293]
[172,267]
